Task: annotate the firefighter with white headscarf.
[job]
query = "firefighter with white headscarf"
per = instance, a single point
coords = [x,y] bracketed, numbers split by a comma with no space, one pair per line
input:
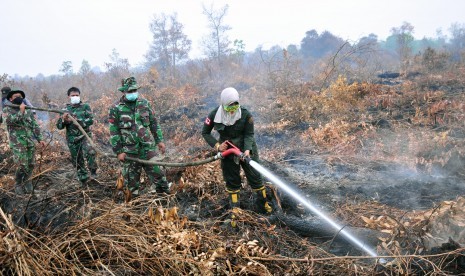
[235,124]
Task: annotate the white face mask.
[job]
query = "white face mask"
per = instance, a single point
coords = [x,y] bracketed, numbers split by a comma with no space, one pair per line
[75,99]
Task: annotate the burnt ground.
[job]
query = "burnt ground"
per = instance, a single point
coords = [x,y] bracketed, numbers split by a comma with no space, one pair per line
[325,181]
[388,183]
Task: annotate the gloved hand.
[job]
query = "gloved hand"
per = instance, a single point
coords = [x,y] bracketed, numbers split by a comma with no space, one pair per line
[78,138]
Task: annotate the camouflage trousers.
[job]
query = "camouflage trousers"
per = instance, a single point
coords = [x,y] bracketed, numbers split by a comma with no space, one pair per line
[24,157]
[81,152]
[4,133]
[132,173]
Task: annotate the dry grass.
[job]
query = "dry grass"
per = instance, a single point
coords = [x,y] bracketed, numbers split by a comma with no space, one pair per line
[152,235]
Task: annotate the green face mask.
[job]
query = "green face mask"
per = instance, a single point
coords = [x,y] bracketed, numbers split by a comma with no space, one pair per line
[232,107]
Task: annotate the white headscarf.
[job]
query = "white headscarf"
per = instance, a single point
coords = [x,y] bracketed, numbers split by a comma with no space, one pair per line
[228,96]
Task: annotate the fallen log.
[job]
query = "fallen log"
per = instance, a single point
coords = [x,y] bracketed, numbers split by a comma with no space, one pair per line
[319,230]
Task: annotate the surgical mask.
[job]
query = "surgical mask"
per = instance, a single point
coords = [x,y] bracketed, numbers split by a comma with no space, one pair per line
[17,100]
[75,99]
[132,96]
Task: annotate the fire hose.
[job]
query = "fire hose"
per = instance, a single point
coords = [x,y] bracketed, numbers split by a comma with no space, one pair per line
[219,155]
[235,151]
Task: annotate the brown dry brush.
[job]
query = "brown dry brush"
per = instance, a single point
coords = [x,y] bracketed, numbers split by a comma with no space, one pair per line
[414,233]
[145,238]
[150,236]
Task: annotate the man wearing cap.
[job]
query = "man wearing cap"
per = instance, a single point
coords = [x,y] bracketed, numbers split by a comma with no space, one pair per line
[5,91]
[22,128]
[135,132]
[77,143]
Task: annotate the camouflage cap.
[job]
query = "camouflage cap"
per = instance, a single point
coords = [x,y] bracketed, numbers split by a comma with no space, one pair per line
[5,91]
[128,84]
[14,91]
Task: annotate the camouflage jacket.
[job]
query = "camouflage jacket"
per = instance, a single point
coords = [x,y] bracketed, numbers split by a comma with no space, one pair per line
[5,101]
[22,127]
[83,115]
[133,127]
[241,133]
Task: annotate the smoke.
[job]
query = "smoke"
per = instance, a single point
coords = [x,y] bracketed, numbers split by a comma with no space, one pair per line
[47,122]
[445,223]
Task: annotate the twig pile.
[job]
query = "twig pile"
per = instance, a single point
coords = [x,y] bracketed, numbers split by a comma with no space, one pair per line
[145,238]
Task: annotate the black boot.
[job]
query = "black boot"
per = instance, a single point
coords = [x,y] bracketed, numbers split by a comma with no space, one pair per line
[262,201]
[28,187]
[93,173]
[84,184]
[163,186]
[19,184]
[234,203]
[19,189]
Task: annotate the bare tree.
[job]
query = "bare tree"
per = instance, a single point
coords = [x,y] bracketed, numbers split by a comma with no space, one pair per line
[457,40]
[158,52]
[117,67]
[67,67]
[216,43]
[179,44]
[404,39]
[170,45]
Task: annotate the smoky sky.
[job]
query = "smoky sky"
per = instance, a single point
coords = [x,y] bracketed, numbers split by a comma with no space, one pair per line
[37,36]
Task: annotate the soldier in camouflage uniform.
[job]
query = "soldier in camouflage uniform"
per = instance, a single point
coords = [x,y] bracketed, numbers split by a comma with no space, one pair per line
[134,132]
[77,143]
[234,123]
[22,128]
[5,91]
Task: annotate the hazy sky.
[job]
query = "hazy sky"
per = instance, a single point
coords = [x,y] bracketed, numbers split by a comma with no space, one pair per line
[38,35]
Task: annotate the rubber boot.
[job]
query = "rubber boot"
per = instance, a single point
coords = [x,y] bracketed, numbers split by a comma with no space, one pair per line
[234,202]
[262,201]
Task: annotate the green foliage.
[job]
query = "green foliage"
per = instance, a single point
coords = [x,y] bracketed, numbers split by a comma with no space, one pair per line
[85,67]
[317,46]
[239,48]
[434,61]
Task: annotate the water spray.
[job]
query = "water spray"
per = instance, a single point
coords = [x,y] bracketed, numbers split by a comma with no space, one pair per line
[275,180]
[235,151]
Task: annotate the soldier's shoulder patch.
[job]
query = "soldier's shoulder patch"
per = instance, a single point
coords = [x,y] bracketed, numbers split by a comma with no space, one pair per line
[208,121]
[250,120]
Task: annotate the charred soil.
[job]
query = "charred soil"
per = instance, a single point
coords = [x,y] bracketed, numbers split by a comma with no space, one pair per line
[374,175]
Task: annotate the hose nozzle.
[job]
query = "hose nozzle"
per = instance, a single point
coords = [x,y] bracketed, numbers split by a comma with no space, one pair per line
[229,151]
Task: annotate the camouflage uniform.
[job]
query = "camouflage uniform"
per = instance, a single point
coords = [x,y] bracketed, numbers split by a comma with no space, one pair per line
[22,128]
[77,143]
[5,91]
[134,130]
